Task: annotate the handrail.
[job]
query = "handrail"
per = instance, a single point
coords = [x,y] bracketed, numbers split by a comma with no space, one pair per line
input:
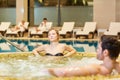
[12,43]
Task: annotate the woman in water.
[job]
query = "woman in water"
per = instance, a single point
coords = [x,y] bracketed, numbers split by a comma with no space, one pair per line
[54,48]
[108,51]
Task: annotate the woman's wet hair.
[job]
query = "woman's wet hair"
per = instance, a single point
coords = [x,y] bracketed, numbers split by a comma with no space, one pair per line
[112,45]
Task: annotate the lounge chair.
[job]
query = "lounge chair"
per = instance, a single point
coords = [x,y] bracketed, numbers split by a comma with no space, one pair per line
[34,32]
[67,28]
[4,26]
[89,28]
[16,32]
[114,29]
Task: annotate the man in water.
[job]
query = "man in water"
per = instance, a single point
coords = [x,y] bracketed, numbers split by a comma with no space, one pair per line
[108,51]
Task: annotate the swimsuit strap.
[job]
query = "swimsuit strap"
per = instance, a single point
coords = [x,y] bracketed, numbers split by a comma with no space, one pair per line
[58,54]
[48,54]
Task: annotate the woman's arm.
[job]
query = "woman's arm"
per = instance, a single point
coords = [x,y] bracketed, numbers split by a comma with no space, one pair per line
[70,49]
[38,49]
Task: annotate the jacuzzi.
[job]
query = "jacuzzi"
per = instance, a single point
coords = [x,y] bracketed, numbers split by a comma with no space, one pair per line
[16,65]
[25,66]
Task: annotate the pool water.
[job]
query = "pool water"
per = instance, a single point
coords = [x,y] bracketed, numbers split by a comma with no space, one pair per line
[29,45]
[29,67]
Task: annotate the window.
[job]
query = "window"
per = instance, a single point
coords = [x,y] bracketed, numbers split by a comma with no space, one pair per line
[39,3]
[7,3]
[79,11]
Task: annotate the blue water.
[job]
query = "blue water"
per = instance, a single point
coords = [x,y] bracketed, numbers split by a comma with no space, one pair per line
[29,45]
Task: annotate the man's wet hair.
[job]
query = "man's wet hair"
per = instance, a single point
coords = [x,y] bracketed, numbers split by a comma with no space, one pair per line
[112,45]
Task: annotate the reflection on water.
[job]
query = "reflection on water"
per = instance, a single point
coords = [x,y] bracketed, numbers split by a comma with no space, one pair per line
[37,66]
